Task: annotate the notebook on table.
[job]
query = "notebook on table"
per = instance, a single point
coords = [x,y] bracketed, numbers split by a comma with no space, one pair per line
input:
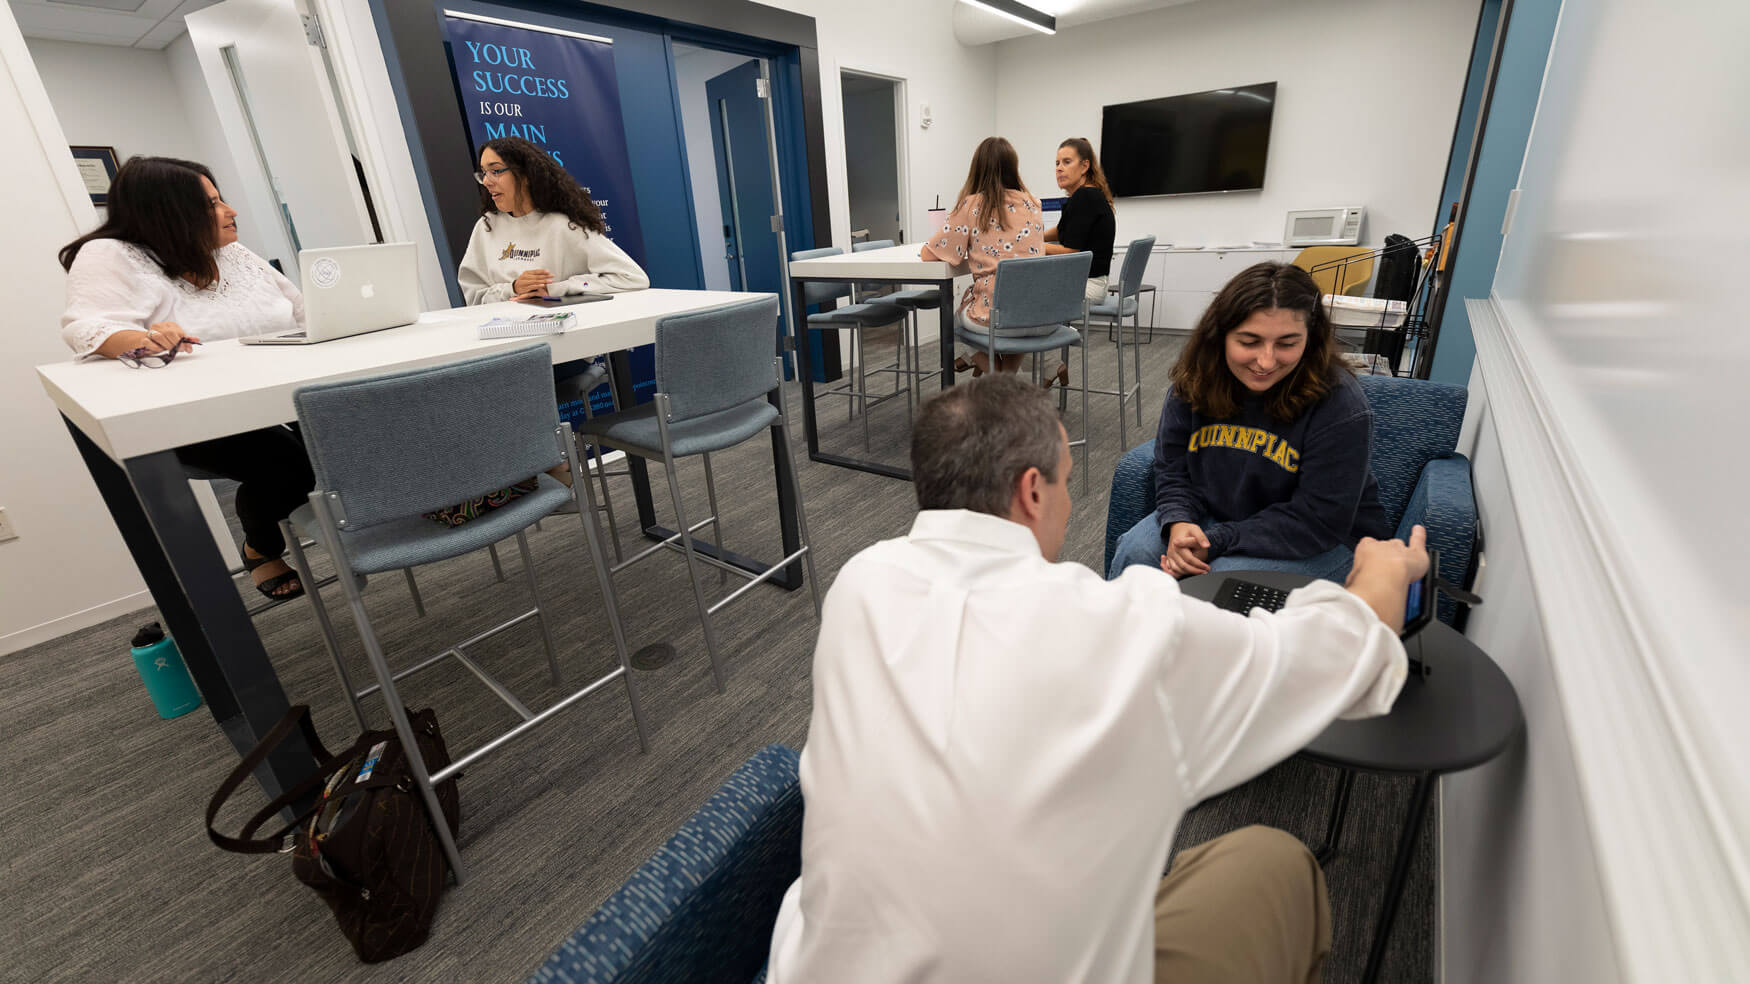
[550,323]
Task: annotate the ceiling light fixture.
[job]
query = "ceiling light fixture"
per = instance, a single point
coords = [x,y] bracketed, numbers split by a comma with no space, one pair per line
[1020,13]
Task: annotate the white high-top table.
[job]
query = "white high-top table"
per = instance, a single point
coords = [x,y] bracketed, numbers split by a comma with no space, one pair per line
[128,423]
[895,264]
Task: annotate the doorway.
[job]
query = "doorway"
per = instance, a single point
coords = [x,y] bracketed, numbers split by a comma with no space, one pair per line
[730,153]
[243,86]
[246,88]
[874,152]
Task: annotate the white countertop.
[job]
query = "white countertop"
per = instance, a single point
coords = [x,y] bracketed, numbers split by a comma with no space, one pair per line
[893,263]
[1274,248]
[227,388]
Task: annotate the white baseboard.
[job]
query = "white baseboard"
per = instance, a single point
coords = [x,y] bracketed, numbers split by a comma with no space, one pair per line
[55,628]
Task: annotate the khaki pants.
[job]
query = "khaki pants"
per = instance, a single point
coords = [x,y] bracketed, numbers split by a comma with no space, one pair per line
[1245,908]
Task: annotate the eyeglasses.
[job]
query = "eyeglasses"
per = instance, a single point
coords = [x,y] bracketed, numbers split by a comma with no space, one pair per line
[497,172]
[144,358]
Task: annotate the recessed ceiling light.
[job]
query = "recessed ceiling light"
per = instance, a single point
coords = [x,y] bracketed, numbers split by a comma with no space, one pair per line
[1020,13]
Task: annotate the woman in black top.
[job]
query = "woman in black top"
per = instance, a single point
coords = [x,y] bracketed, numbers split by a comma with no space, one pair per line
[1087,223]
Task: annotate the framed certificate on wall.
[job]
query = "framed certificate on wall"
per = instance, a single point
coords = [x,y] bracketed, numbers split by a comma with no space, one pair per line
[97,166]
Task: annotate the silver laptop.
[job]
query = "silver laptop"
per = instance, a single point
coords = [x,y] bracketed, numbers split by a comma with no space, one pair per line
[350,290]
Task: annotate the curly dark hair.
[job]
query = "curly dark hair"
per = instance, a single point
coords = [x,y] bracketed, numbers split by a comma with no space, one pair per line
[1202,378]
[551,187]
[158,204]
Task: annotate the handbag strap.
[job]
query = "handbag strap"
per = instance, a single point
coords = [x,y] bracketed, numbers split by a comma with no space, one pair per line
[298,717]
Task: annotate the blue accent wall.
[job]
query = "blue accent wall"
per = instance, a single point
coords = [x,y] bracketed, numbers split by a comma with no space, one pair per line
[653,144]
[643,32]
[1488,19]
[1511,109]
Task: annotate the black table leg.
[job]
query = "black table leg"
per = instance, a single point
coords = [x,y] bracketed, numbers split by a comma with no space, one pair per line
[784,475]
[945,326]
[1339,812]
[1400,872]
[805,365]
[161,523]
[805,374]
[620,365]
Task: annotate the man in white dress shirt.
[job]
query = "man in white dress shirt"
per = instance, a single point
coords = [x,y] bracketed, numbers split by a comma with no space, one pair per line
[1002,746]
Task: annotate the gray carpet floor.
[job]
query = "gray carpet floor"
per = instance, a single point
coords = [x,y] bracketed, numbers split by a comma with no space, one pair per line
[109,875]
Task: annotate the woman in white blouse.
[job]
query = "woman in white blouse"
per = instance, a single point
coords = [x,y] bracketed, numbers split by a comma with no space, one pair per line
[164,273]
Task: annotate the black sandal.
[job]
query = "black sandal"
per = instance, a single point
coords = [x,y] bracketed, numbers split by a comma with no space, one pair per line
[962,364]
[273,584]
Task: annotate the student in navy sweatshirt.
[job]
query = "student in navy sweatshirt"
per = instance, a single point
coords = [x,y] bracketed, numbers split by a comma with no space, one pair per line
[1261,458]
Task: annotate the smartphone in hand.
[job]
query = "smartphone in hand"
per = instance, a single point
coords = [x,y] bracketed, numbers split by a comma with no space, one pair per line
[565,301]
[1420,601]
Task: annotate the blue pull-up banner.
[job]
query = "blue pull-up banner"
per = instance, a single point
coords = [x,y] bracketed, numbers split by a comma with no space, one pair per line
[558,91]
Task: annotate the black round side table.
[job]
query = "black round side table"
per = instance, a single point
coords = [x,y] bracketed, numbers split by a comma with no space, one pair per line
[1462,714]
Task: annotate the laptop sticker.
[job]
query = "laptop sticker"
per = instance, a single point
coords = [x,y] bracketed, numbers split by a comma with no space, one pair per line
[325,272]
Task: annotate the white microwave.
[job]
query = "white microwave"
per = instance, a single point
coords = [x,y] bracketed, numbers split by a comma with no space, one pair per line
[1324,226]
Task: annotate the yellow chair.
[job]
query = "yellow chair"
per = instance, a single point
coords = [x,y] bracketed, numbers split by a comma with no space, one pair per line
[1352,276]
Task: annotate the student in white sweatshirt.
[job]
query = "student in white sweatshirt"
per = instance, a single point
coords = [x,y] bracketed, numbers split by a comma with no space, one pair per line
[539,233]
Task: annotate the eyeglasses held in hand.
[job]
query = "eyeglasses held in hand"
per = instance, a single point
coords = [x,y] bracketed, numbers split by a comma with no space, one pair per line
[497,172]
[144,358]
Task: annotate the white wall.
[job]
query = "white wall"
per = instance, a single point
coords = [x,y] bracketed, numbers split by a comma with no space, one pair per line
[157,102]
[1612,348]
[294,116]
[872,162]
[1367,92]
[68,568]
[1519,891]
[911,40]
[119,97]
[693,67]
[232,162]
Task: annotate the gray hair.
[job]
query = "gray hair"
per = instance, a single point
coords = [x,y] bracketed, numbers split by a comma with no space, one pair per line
[973,442]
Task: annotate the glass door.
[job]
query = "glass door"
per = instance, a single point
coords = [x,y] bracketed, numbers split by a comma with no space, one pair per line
[265,69]
[727,115]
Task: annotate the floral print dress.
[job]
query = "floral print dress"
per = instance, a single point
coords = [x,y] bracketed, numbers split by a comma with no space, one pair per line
[969,239]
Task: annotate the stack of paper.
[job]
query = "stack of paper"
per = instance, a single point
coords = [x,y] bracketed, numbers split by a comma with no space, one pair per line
[1365,312]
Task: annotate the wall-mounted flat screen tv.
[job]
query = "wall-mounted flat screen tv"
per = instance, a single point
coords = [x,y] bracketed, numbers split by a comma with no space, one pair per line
[1186,145]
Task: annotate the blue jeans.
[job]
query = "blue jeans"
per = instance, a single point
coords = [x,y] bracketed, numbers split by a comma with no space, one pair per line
[1143,545]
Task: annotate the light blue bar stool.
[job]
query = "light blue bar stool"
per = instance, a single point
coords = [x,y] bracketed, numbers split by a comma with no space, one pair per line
[715,377]
[1113,312]
[591,380]
[913,301]
[388,449]
[904,358]
[855,317]
[1032,304]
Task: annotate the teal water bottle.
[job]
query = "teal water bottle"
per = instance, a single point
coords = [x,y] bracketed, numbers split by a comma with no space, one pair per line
[160,666]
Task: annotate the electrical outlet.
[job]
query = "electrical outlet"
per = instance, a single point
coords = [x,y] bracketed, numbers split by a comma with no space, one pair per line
[6,530]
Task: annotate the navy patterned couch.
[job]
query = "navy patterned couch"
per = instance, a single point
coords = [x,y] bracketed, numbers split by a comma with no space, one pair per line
[1422,479]
[702,907]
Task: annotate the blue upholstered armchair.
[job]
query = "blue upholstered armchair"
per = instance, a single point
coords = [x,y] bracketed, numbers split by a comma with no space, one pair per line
[1421,478]
[702,907]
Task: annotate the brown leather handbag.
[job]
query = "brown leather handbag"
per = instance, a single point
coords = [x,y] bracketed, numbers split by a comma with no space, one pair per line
[366,845]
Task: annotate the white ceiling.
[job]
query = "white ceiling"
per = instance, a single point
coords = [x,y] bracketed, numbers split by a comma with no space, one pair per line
[156,23]
[975,26]
[128,23]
